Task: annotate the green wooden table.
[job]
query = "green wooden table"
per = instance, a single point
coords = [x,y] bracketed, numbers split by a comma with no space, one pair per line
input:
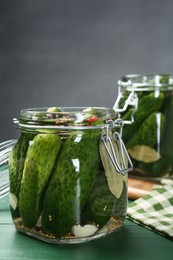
[129,242]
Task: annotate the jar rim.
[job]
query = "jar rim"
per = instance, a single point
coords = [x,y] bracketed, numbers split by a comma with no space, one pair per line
[66,117]
[147,81]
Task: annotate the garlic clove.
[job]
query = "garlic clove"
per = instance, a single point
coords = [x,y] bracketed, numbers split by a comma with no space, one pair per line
[13,201]
[84,231]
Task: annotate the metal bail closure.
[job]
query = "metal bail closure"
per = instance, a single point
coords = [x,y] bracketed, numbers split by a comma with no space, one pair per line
[131,100]
[16,122]
[116,150]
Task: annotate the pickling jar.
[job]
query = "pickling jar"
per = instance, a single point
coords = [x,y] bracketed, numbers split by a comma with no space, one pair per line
[67,173]
[145,104]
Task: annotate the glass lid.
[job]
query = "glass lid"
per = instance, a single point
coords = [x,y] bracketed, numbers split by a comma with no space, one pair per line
[142,81]
[67,116]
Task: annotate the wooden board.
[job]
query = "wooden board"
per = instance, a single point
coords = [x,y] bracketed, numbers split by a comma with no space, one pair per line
[139,188]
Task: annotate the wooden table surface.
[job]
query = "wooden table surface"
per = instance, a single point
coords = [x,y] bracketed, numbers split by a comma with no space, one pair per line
[130,242]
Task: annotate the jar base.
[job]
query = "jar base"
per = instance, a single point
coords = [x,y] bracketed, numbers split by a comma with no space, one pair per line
[36,232]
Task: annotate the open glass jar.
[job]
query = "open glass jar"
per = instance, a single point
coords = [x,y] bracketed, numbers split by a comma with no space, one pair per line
[145,103]
[67,173]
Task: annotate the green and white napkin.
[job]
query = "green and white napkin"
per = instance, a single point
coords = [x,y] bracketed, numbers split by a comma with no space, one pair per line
[155,210]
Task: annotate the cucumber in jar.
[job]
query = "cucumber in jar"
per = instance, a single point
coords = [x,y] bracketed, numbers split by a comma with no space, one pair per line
[109,195]
[16,165]
[71,182]
[147,105]
[164,163]
[102,204]
[38,166]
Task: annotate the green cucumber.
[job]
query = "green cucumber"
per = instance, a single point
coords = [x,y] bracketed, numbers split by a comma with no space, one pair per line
[16,165]
[164,164]
[108,191]
[100,205]
[147,133]
[71,183]
[38,166]
[147,105]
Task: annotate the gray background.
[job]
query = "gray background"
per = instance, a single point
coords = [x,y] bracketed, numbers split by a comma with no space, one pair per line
[72,52]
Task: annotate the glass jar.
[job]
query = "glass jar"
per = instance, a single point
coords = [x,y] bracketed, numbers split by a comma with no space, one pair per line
[67,173]
[145,103]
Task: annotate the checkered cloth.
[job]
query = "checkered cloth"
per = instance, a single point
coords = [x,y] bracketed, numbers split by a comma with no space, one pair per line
[155,210]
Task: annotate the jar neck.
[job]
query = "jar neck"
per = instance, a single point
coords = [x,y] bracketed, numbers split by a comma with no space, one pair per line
[109,124]
[151,82]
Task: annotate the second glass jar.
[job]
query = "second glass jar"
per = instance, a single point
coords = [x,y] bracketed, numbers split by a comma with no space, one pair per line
[145,103]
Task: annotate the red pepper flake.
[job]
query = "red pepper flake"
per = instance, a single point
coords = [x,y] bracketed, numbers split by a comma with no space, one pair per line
[92,119]
[58,122]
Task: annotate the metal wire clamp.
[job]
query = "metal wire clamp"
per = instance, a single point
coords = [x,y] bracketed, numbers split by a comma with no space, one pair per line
[122,162]
[131,100]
